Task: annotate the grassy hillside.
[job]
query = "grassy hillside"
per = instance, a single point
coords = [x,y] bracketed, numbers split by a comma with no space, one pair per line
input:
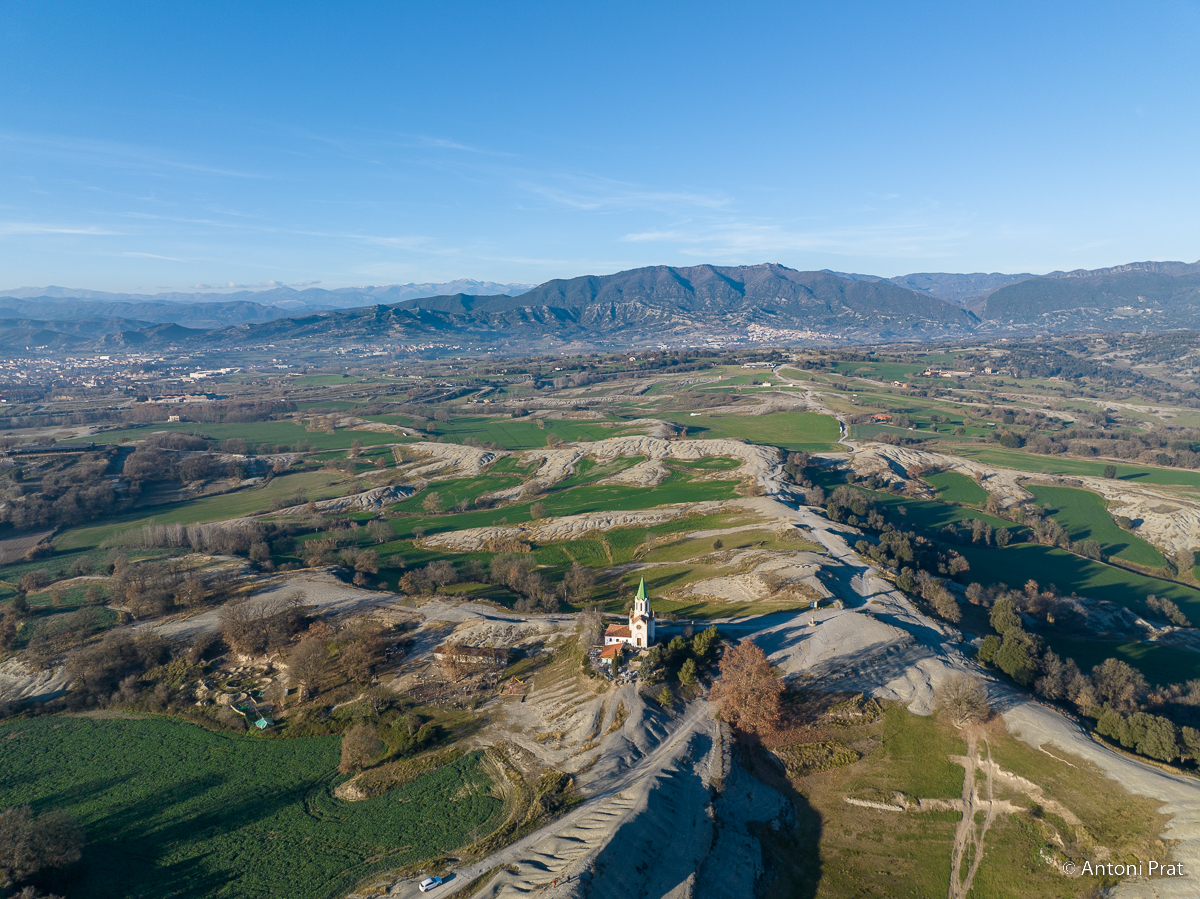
[792,431]
[953,487]
[1085,516]
[172,810]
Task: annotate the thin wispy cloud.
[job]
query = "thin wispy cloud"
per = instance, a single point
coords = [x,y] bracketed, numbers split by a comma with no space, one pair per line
[745,240]
[152,256]
[592,193]
[654,236]
[112,154]
[30,228]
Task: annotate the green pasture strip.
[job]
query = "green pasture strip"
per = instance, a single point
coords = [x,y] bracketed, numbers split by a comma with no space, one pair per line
[931,516]
[256,433]
[511,465]
[679,488]
[792,431]
[588,470]
[881,371]
[1138,474]
[953,487]
[458,490]
[173,810]
[1085,516]
[1017,563]
[59,564]
[73,596]
[517,435]
[707,463]
[324,380]
[1161,665]
[313,484]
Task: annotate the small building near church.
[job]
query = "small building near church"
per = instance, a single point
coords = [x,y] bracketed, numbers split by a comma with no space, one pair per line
[640,632]
[611,654]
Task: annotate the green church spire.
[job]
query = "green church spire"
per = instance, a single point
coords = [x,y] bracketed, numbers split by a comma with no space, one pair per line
[641,594]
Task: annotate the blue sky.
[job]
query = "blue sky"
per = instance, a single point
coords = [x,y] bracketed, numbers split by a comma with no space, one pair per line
[151,146]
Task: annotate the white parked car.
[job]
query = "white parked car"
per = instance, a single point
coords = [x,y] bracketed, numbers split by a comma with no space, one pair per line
[429,883]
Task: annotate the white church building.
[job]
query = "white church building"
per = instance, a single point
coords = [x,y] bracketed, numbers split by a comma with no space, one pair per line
[640,630]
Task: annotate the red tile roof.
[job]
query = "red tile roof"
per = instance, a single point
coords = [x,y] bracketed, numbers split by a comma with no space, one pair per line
[618,630]
[610,651]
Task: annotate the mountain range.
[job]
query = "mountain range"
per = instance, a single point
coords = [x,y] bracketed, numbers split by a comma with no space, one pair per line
[656,304]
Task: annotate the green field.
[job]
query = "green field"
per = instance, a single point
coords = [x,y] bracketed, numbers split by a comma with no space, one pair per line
[173,810]
[1017,563]
[257,433]
[792,431]
[1161,665]
[679,487]
[514,435]
[312,484]
[1085,516]
[458,490]
[953,487]
[931,516]
[1144,474]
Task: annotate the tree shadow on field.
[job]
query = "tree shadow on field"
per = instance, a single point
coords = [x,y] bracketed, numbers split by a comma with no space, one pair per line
[139,850]
[791,853]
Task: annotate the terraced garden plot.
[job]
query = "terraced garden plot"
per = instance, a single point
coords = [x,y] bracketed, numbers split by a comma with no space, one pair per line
[173,810]
[812,432]
[1085,516]
[511,465]
[65,624]
[953,487]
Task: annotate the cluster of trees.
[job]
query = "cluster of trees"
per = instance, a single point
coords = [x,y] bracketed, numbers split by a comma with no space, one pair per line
[1113,692]
[222,538]
[933,590]
[182,458]
[682,659]
[1173,447]
[263,623]
[976,531]
[515,571]
[111,672]
[35,848]
[894,548]
[74,491]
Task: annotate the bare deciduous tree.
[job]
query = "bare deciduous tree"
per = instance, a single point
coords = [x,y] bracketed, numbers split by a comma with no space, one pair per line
[30,844]
[360,746]
[259,623]
[963,698]
[307,663]
[380,531]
